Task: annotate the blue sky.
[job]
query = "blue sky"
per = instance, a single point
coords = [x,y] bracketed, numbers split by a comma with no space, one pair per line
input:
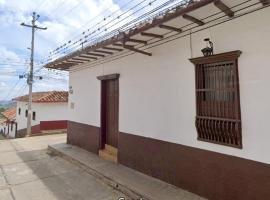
[66,20]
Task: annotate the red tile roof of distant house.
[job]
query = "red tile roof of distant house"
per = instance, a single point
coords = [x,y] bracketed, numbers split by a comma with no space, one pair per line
[46,97]
[2,121]
[10,113]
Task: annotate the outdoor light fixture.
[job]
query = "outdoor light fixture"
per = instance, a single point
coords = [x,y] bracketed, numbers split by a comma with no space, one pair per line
[208,51]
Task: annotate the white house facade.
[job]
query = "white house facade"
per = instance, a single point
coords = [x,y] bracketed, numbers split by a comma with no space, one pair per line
[8,125]
[49,112]
[198,122]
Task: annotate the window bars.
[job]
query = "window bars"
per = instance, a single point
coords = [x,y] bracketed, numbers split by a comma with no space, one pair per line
[218,110]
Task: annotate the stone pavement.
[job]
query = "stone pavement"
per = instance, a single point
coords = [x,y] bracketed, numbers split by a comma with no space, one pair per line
[132,183]
[27,172]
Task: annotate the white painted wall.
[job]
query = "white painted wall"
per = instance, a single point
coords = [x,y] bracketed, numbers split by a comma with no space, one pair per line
[7,130]
[157,94]
[44,112]
[2,128]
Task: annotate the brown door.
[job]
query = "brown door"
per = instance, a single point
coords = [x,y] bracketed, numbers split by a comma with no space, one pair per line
[109,112]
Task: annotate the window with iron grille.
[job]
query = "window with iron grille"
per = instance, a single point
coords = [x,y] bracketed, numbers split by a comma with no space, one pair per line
[218,114]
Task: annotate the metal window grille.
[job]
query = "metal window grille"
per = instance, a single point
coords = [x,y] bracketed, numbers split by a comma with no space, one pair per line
[218,118]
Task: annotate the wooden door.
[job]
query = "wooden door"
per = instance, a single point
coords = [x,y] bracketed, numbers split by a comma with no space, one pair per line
[109,112]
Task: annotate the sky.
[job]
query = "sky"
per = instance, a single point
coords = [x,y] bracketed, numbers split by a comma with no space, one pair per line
[67,21]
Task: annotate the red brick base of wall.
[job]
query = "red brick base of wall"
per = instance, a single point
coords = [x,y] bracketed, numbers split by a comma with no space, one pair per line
[43,126]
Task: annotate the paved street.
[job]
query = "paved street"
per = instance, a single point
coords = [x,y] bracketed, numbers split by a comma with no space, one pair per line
[2,137]
[28,173]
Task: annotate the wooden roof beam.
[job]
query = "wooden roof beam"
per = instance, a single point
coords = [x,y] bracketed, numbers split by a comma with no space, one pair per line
[121,45]
[152,35]
[80,59]
[105,52]
[90,57]
[118,45]
[136,41]
[112,49]
[73,62]
[137,50]
[265,2]
[64,64]
[155,23]
[95,54]
[224,8]
[193,19]
[170,28]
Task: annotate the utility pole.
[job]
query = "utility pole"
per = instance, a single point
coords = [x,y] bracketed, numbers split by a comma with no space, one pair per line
[30,76]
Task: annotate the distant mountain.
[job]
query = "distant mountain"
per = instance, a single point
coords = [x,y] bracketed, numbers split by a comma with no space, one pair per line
[7,104]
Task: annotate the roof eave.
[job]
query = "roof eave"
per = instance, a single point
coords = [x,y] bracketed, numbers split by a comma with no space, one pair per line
[119,38]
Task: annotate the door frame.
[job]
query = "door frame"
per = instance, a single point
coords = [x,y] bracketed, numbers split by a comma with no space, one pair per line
[103,113]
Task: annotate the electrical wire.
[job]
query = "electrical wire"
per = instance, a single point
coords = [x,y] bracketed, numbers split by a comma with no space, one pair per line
[126,25]
[96,25]
[47,59]
[161,42]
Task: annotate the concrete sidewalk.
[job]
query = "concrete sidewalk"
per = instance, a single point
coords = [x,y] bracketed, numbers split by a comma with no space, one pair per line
[130,182]
[27,172]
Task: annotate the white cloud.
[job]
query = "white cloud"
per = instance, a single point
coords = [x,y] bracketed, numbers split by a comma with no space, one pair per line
[2,84]
[65,19]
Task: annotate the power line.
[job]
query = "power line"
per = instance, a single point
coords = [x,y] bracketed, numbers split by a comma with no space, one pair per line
[118,17]
[40,5]
[14,85]
[97,29]
[126,4]
[126,25]
[167,39]
[94,37]
[119,28]
[62,3]
[101,15]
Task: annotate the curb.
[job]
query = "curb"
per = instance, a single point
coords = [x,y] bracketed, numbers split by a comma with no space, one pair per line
[134,195]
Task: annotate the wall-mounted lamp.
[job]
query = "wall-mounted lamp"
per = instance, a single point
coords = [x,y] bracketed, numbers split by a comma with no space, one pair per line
[208,51]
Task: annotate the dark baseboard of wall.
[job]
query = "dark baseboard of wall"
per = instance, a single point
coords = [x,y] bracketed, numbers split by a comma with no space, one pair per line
[212,175]
[84,136]
[22,132]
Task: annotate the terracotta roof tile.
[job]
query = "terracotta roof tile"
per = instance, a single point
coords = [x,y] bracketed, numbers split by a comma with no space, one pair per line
[10,113]
[46,97]
[2,121]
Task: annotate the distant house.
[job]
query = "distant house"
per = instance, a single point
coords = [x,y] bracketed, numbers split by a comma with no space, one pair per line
[49,112]
[8,124]
[155,98]
[2,125]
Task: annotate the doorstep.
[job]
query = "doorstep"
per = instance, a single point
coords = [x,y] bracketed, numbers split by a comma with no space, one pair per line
[130,182]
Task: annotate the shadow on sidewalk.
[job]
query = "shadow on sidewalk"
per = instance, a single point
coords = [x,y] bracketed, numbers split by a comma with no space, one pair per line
[41,176]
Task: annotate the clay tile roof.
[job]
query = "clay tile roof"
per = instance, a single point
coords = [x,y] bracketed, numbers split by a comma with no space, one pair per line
[2,121]
[10,113]
[46,97]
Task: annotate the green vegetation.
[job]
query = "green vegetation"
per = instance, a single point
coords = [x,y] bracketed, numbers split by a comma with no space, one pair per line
[1,110]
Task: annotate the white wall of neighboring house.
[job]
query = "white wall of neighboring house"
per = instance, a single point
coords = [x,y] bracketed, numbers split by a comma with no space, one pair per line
[44,112]
[2,126]
[8,130]
[12,131]
[157,94]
